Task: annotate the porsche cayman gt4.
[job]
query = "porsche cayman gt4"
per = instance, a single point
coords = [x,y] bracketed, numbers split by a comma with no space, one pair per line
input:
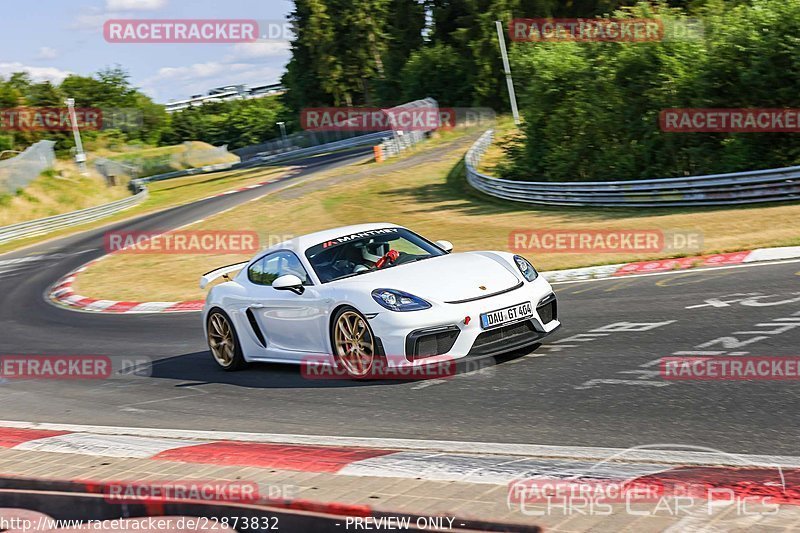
[370,293]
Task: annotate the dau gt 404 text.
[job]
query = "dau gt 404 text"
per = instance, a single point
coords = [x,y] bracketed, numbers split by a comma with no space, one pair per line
[371,293]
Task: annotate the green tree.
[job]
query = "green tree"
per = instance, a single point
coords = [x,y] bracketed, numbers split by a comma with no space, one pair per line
[591,110]
[405,24]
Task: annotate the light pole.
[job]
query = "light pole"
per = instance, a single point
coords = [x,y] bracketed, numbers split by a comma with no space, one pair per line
[507,68]
[80,156]
[283,132]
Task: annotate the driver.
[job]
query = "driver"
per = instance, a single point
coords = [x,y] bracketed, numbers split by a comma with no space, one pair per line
[373,253]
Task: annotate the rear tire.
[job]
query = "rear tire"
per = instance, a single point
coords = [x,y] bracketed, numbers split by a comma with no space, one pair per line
[223,342]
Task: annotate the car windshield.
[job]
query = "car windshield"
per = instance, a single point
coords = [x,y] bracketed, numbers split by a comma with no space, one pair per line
[367,251]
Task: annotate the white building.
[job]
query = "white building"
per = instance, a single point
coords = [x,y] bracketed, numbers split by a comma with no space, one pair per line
[226,93]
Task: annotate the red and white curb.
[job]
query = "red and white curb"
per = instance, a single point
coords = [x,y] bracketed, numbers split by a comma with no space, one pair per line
[63,294]
[422,460]
[673,265]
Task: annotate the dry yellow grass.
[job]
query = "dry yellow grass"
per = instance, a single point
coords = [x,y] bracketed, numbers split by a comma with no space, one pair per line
[164,194]
[58,191]
[428,194]
[505,130]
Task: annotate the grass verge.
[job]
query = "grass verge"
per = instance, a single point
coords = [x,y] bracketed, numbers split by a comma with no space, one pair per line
[164,159]
[429,194]
[56,191]
[166,194]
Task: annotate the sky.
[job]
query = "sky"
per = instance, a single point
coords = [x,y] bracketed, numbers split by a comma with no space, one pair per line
[51,39]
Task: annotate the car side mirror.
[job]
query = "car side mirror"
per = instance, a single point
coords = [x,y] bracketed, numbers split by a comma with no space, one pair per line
[447,246]
[289,282]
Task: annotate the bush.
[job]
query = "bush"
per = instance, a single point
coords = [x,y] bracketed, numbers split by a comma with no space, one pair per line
[591,109]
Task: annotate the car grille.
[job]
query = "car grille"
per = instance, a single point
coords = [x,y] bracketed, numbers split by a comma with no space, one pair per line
[421,344]
[506,338]
[547,308]
[547,312]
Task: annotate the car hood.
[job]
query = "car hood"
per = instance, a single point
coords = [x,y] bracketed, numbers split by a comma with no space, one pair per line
[446,278]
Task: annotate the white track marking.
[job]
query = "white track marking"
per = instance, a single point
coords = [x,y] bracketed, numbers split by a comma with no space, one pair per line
[496,448]
[103,445]
[772,254]
[99,305]
[427,383]
[496,469]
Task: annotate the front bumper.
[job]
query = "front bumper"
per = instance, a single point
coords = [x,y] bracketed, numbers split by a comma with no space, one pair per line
[440,333]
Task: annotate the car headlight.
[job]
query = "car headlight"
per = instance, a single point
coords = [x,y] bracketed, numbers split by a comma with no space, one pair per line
[395,300]
[526,268]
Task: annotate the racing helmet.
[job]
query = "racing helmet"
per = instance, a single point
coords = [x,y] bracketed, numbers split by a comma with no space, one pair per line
[372,251]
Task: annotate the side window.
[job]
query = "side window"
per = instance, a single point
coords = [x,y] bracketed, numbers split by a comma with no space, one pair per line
[270,267]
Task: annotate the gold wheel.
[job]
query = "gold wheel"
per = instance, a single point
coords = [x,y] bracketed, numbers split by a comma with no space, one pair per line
[221,340]
[353,344]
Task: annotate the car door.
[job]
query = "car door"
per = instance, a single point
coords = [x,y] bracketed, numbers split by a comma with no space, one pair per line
[290,324]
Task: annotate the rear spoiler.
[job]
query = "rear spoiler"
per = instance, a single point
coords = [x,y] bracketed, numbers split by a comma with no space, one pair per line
[208,277]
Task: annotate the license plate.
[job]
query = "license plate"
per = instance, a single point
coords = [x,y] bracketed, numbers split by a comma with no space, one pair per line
[500,317]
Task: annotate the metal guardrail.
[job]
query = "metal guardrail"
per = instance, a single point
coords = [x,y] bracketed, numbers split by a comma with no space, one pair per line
[140,183]
[738,188]
[353,142]
[46,225]
[139,186]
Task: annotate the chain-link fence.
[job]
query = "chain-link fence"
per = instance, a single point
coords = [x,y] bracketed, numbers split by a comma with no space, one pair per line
[16,173]
[114,171]
[188,155]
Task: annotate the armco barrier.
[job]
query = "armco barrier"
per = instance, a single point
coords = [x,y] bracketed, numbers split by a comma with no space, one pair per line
[758,186]
[370,139]
[46,225]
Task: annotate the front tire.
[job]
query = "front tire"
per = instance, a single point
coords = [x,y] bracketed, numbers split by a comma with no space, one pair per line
[353,343]
[223,341]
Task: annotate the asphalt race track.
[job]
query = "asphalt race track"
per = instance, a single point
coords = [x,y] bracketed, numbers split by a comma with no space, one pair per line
[594,383]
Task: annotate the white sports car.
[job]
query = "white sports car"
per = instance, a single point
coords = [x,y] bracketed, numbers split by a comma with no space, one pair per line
[371,293]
